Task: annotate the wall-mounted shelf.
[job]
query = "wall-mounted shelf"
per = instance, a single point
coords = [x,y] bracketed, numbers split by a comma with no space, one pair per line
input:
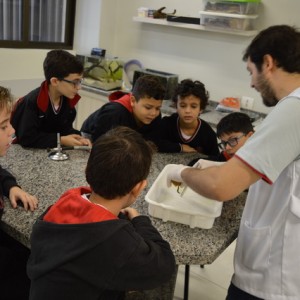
[164,22]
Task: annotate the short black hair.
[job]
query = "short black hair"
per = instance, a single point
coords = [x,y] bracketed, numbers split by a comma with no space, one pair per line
[282,42]
[148,86]
[119,160]
[234,122]
[188,87]
[60,63]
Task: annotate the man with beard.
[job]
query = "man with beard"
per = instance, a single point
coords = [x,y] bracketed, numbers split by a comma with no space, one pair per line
[267,254]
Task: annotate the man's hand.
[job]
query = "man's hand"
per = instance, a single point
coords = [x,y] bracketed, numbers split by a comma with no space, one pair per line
[74,140]
[203,163]
[174,174]
[29,202]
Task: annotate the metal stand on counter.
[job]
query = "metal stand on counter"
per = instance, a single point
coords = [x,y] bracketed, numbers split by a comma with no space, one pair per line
[59,155]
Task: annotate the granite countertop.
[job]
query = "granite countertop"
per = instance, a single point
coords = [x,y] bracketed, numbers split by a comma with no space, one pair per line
[48,179]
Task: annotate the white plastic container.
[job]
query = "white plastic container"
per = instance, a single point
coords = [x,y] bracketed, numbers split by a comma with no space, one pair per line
[189,208]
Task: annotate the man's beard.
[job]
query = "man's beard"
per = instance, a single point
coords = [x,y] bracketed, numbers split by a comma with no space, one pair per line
[266,91]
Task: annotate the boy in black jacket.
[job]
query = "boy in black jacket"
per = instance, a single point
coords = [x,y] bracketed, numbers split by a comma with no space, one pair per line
[14,284]
[50,109]
[82,247]
[185,131]
[139,110]
[233,131]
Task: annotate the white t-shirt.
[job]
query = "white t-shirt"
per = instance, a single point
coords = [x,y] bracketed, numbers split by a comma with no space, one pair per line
[267,259]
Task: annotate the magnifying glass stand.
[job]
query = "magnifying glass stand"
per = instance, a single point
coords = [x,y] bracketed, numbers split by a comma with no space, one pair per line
[59,155]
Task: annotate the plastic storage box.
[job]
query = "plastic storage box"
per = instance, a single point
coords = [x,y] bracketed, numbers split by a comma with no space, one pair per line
[181,205]
[249,7]
[227,22]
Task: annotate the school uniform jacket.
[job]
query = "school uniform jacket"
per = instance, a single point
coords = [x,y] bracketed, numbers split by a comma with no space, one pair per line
[169,138]
[116,113]
[35,122]
[7,181]
[80,250]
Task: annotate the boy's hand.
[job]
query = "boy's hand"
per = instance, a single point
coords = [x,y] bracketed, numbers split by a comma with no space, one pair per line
[130,212]
[29,202]
[75,140]
[187,148]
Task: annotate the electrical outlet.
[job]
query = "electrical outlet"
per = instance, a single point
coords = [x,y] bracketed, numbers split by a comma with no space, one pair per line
[247,102]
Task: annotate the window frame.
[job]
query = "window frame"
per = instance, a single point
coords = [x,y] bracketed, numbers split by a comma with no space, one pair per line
[27,44]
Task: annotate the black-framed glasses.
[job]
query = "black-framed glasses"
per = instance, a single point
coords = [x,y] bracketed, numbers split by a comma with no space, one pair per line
[231,142]
[76,82]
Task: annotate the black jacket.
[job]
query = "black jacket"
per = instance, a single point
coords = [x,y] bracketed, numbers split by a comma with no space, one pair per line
[98,260]
[7,181]
[36,124]
[115,114]
[168,137]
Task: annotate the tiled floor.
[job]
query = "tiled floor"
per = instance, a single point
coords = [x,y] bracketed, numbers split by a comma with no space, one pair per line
[209,283]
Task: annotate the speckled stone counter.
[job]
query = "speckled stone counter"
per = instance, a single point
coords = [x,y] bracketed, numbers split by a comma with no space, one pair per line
[48,179]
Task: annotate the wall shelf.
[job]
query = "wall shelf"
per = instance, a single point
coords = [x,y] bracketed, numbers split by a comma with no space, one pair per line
[164,22]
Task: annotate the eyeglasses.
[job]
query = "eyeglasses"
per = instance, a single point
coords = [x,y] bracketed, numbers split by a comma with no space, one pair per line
[76,82]
[231,142]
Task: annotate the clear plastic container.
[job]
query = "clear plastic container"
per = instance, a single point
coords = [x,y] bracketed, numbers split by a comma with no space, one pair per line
[105,73]
[233,7]
[143,12]
[227,23]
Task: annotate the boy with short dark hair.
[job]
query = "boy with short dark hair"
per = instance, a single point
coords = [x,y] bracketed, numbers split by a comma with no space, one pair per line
[14,283]
[233,130]
[83,247]
[50,109]
[139,110]
[185,131]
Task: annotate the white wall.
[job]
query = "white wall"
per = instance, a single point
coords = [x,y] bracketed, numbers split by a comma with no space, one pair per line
[21,69]
[87,23]
[212,58]
[215,59]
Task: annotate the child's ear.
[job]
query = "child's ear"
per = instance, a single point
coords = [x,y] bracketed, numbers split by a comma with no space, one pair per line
[138,188]
[54,81]
[249,134]
[132,100]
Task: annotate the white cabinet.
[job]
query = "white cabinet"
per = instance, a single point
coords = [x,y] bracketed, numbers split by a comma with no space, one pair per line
[89,102]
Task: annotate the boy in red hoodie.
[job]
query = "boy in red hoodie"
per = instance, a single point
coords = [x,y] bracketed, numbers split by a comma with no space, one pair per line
[91,244]
[139,110]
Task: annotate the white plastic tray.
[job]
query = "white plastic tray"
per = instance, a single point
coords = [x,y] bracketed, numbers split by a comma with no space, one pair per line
[191,208]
